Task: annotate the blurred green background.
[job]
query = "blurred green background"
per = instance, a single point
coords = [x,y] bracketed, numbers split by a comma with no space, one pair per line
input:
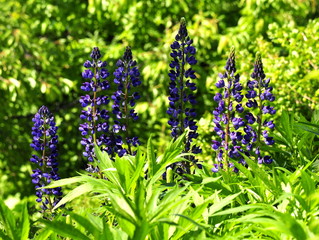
[43,44]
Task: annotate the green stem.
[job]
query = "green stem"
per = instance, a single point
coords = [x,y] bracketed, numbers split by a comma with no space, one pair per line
[227,129]
[182,87]
[260,115]
[126,110]
[44,161]
[94,106]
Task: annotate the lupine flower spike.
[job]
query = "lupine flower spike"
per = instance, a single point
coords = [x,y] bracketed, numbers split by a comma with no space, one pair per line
[181,96]
[45,142]
[259,95]
[95,129]
[227,122]
[127,80]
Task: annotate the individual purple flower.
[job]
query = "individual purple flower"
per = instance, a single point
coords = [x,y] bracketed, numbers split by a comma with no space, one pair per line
[44,141]
[259,95]
[227,120]
[95,117]
[181,93]
[127,79]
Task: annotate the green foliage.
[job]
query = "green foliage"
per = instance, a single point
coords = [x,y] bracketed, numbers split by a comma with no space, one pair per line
[12,227]
[136,203]
[45,43]
[43,46]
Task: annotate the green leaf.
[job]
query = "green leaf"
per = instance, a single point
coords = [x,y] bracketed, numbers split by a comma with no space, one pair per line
[307,183]
[238,209]
[170,200]
[76,192]
[151,159]
[122,206]
[104,160]
[43,234]
[138,171]
[111,233]
[65,181]
[65,230]
[4,236]
[309,127]
[259,173]
[224,202]
[87,224]
[8,221]
[25,228]
[286,125]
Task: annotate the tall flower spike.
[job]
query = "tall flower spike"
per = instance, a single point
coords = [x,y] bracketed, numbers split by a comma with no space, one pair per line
[228,123]
[181,88]
[259,95]
[96,127]
[45,142]
[127,78]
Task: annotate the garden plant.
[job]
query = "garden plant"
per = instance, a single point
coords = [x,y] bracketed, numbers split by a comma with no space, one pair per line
[185,123]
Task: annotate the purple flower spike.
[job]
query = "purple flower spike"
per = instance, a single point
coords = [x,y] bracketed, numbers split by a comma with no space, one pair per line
[127,79]
[227,120]
[259,95]
[45,142]
[95,117]
[181,93]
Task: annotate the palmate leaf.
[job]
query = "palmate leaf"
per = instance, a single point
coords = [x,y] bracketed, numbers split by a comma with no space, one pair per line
[171,199]
[173,157]
[152,197]
[122,206]
[258,177]
[190,218]
[108,167]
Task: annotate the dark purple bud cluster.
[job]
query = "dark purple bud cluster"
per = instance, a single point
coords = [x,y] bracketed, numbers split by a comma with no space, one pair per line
[96,127]
[181,89]
[127,78]
[228,123]
[45,142]
[259,96]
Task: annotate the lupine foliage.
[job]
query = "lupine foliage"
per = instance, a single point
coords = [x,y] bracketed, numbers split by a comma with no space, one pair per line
[43,43]
[42,49]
